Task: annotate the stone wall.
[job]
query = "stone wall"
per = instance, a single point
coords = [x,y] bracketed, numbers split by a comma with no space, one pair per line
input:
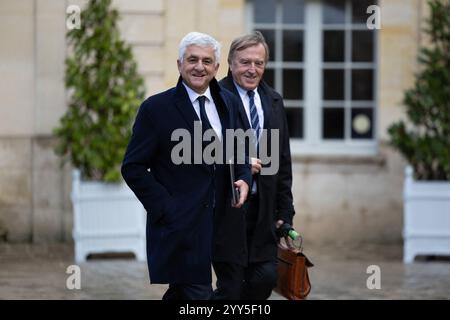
[344,200]
[32,202]
[360,199]
[337,199]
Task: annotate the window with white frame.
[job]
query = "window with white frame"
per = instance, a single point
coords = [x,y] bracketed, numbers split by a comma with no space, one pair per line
[323,63]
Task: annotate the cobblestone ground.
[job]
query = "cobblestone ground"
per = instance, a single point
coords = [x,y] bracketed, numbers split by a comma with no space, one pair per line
[39,272]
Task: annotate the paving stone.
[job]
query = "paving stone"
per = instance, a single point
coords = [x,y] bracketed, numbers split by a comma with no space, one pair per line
[39,272]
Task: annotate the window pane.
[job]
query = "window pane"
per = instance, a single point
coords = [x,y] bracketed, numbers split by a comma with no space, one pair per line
[333,123]
[293,11]
[333,84]
[333,46]
[295,122]
[362,46]
[362,123]
[293,45]
[359,10]
[362,84]
[269,77]
[334,11]
[269,35]
[293,84]
[264,11]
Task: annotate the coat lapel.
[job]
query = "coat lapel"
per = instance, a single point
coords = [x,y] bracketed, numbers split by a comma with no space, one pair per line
[267,103]
[184,106]
[228,84]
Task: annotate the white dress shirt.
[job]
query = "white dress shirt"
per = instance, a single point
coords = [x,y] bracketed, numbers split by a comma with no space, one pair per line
[246,101]
[210,108]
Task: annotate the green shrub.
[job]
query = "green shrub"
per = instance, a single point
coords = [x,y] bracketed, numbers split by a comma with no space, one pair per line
[105,91]
[425,139]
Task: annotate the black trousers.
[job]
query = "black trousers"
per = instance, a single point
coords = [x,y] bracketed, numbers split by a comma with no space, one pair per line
[254,282]
[188,292]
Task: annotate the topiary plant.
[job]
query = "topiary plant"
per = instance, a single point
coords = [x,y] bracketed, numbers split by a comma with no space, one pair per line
[105,92]
[425,140]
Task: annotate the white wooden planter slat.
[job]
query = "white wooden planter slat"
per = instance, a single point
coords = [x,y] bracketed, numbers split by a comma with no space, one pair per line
[426,217]
[107,218]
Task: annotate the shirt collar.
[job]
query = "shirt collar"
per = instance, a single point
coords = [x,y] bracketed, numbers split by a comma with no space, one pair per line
[242,91]
[194,95]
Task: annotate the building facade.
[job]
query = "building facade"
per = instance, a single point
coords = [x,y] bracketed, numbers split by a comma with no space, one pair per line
[342,83]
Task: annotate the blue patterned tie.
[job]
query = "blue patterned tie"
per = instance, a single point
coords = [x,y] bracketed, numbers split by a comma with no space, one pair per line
[255,126]
[254,115]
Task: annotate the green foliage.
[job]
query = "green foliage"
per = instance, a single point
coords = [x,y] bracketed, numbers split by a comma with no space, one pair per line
[425,140]
[105,92]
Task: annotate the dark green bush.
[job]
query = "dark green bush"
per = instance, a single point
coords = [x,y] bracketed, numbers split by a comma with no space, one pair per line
[105,91]
[425,139]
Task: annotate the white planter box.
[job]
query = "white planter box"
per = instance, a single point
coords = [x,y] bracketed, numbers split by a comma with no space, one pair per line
[107,218]
[426,217]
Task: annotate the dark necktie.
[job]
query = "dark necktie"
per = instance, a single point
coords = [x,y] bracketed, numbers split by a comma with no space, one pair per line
[206,125]
[254,114]
[203,116]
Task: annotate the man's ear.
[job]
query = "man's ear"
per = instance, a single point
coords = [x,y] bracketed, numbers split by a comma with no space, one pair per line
[179,64]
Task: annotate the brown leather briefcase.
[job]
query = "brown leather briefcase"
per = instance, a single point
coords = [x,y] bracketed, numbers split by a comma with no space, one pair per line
[293,279]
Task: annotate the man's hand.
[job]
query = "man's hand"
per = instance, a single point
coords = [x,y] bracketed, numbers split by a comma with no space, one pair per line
[256,165]
[243,191]
[289,242]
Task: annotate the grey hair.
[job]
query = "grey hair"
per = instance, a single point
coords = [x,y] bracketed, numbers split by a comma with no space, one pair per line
[246,41]
[201,40]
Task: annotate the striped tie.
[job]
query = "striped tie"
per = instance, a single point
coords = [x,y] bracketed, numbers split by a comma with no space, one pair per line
[254,115]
